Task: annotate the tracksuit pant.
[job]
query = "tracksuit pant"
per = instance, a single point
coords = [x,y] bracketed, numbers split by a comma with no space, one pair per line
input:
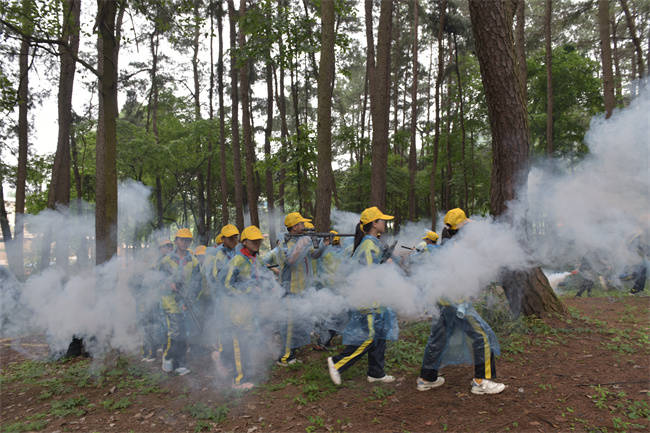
[375,348]
[441,330]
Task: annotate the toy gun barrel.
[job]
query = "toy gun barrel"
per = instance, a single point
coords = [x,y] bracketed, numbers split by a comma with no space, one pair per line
[320,235]
[407,248]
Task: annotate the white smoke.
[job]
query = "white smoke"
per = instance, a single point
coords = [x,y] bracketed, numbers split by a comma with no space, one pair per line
[592,207]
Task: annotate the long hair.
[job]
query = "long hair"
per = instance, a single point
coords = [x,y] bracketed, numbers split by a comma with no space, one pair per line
[359,233]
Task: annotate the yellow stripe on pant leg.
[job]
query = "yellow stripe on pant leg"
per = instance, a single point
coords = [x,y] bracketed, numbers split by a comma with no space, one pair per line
[287,346]
[169,338]
[364,345]
[486,346]
[238,366]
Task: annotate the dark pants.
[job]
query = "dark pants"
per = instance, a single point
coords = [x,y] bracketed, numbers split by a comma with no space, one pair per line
[484,367]
[640,275]
[351,354]
[176,339]
[237,355]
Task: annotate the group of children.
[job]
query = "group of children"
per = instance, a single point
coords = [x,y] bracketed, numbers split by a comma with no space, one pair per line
[228,281]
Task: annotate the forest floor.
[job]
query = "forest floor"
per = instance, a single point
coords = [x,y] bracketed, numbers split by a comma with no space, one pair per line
[588,371]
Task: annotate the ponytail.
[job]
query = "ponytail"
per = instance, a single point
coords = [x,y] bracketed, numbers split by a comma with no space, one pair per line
[359,233]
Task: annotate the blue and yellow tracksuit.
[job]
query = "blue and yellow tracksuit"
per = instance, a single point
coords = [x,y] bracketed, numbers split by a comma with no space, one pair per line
[296,274]
[368,328]
[241,285]
[181,287]
[459,336]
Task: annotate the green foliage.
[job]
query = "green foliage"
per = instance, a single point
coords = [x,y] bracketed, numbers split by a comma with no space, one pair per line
[576,98]
[110,404]
[201,411]
[71,406]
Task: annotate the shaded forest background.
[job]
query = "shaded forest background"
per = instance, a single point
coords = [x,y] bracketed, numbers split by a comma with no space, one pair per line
[233,110]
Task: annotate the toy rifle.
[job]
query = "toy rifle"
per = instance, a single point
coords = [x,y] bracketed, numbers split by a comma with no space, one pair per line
[316,236]
[387,253]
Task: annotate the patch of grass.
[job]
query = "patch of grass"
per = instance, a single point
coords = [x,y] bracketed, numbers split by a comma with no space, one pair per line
[71,406]
[24,426]
[78,374]
[203,412]
[27,372]
[120,404]
[315,422]
[53,386]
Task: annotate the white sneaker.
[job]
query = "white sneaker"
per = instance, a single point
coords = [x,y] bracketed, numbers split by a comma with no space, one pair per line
[425,385]
[334,373]
[146,359]
[487,387]
[167,365]
[182,371]
[386,379]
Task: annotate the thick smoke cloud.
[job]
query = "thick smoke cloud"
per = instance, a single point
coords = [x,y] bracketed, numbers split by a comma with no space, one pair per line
[565,212]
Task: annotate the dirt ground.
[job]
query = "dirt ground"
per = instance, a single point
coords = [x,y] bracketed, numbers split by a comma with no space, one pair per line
[588,371]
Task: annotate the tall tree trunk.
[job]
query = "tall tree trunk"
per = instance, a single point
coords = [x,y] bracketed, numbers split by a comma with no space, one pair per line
[154,43]
[379,98]
[436,138]
[520,46]
[209,181]
[324,128]
[223,179]
[617,69]
[414,116]
[549,78]
[10,250]
[234,129]
[635,39]
[201,220]
[270,202]
[606,57]
[528,291]
[59,193]
[23,144]
[244,74]
[462,125]
[450,171]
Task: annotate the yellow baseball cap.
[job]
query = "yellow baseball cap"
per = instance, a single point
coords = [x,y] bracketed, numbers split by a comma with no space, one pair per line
[309,225]
[229,230]
[294,218]
[200,250]
[184,233]
[372,214]
[455,218]
[336,239]
[219,239]
[432,236]
[252,233]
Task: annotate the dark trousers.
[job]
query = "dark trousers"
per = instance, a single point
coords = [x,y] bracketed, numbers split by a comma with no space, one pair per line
[176,347]
[237,355]
[639,278]
[484,367]
[351,354]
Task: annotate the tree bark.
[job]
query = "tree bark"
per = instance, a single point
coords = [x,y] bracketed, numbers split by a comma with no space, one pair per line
[527,290]
[246,125]
[414,117]
[606,57]
[549,78]
[106,148]
[223,179]
[270,202]
[462,125]
[234,129]
[379,99]
[436,139]
[617,69]
[520,46]
[59,192]
[23,144]
[635,39]
[324,128]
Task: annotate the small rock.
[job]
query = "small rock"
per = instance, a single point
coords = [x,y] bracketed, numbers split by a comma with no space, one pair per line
[252,429]
[112,390]
[534,423]
[149,415]
[138,415]
[520,390]
[428,422]
[112,424]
